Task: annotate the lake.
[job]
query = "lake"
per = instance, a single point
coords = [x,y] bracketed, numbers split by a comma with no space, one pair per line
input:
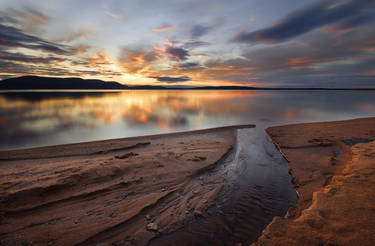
[30,119]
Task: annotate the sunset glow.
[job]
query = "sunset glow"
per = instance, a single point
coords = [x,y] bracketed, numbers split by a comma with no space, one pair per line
[212,43]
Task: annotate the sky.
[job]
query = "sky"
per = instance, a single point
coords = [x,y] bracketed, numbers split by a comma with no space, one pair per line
[270,43]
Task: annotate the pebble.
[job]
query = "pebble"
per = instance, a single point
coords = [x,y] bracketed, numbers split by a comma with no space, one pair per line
[152,226]
[148,217]
[76,221]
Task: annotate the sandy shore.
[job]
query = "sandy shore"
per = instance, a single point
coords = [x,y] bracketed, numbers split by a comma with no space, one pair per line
[114,192]
[333,168]
[129,191]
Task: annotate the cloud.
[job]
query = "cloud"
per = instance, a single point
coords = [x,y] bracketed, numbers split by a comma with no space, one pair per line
[80,49]
[28,19]
[100,58]
[81,33]
[200,30]
[172,79]
[19,57]
[114,15]
[355,21]
[307,19]
[15,38]
[188,67]
[177,53]
[31,16]
[137,61]
[189,64]
[192,44]
[172,52]
[314,59]
[370,72]
[163,28]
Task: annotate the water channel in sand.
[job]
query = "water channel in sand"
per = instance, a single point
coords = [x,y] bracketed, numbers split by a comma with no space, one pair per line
[259,187]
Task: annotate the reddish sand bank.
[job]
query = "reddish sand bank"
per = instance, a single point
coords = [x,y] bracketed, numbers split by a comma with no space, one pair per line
[333,166]
[115,192]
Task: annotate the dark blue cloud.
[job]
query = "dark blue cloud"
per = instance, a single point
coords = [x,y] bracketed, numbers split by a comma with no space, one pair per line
[192,44]
[200,30]
[355,21]
[301,21]
[13,37]
[172,79]
[177,53]
[189,67]
[189,64]
[19,57]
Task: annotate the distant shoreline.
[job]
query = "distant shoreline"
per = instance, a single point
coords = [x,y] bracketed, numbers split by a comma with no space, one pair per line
[27,83]
[186,89]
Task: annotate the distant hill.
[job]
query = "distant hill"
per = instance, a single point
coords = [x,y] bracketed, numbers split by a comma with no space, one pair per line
[50,83]
[35,82]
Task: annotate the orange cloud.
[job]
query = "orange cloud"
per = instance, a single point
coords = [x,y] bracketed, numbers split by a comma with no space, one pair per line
[100,58]
[301,62]
[298,62]
[170,42]
[81,49]
[371,72]
[114,15]
[136,62]
[336,29]
[163,28]
[370,48]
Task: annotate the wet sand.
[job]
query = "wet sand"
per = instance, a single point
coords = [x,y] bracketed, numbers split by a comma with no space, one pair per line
[114,192]
[333,169]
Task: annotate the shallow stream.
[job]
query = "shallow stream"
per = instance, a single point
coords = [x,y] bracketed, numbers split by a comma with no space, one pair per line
[259,188]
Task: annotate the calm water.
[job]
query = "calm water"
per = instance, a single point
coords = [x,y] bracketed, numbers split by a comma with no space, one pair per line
[44,118]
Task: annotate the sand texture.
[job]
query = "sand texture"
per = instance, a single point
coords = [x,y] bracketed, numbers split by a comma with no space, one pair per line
[114,192]
[333,168]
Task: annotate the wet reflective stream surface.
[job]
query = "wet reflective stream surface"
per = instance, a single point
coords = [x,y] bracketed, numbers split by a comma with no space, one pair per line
[258,189]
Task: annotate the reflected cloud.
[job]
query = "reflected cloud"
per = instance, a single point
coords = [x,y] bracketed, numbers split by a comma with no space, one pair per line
[40,118]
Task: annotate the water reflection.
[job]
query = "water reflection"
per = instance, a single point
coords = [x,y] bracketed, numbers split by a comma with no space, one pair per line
[31,119]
